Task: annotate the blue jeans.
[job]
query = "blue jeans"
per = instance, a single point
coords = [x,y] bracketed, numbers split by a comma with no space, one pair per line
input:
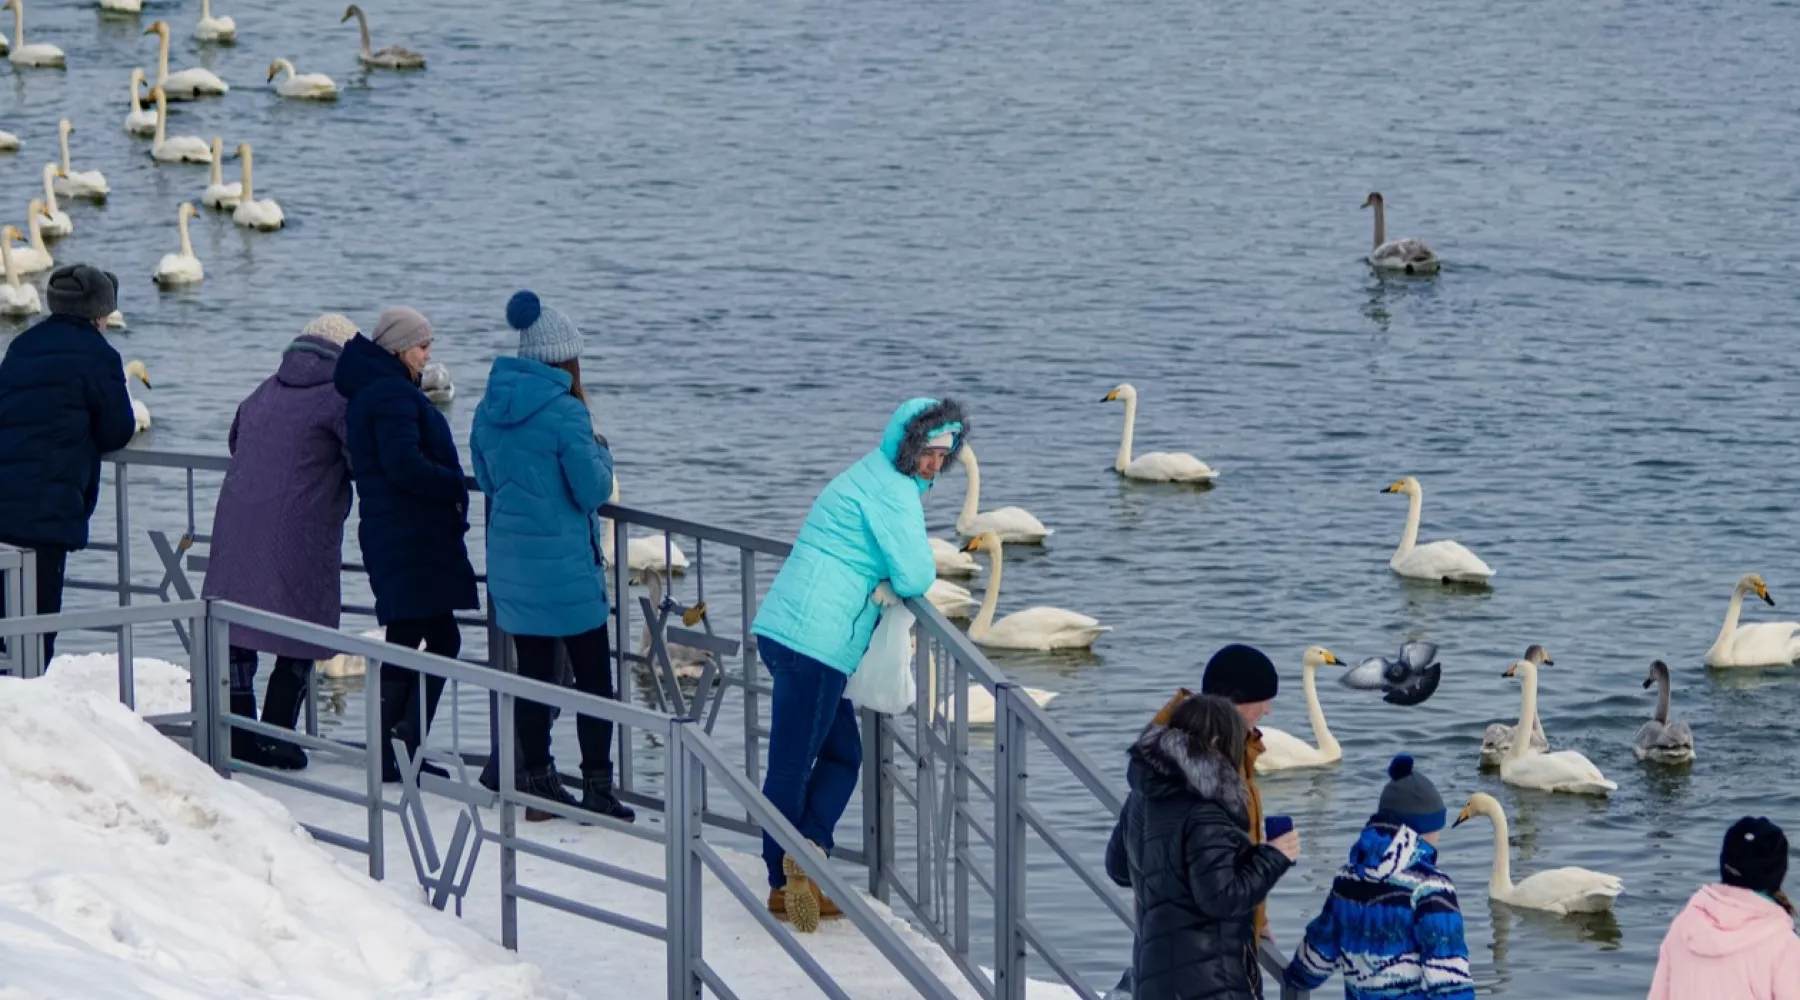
[815,749]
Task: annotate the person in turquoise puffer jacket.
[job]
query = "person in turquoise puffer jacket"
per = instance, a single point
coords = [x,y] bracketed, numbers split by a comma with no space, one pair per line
[863,545]
[546,473]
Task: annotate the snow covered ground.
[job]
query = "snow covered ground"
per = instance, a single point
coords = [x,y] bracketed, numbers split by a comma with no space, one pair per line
[134,872]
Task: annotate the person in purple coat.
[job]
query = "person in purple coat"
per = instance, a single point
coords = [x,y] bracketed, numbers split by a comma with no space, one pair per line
[278,529]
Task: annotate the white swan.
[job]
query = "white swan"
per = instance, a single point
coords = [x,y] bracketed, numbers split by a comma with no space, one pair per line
[951,560]
[389,57]
[72,183]
[1496,741]
[302,86]
[1761,644]
[981,703]
[1014,525]
[115,320]
[642,555]
[1559,890]
[39,55]
[16,299]
[250,213]
[1040,628]
[214,29]
[1407,256]
[54,221]
[1445,561]
[187,84]
[9,143]
[122,6]
[951,600]
[139,412]
[1155,466]
[181,268]
[1562,771]
[139,121]
[348,665]
[219,194]
[1283,752]
[36,257]
[176,149]
[1660,739]
[434,382]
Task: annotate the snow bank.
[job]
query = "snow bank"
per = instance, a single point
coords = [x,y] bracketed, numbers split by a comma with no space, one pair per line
[133,871]
[161,687]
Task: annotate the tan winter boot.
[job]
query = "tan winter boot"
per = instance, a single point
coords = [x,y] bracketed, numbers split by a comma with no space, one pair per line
[802,902]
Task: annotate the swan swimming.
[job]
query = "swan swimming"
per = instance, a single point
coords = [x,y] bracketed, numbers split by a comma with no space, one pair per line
[72,183]
[1661,740]
[1283,752]
[139,121]
[1405,256]
[1562,771]
[181,268]
[1759,644]
[1560,890]
[302,86]
[54,220]
[35,257]
[174,149]
[187,84]
[39,56]
[219,194]
[140,413]
[222,30]
[951,560]
[388,57]
[1497,740]
[1039,628]
[1444,561]
[1155,466]
[263,215]
[16,298]
[1014,525]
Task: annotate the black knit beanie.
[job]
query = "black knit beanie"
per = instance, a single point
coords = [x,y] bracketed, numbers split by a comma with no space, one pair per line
[1755,855]
[1241,673]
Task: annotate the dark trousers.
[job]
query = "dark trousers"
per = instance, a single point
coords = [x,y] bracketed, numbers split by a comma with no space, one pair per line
[400,687]
[52,563]
[592,666]
[286,691]
[815,748]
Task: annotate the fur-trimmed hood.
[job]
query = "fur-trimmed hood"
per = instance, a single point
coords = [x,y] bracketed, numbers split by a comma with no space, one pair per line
[911,427]
[1172,766]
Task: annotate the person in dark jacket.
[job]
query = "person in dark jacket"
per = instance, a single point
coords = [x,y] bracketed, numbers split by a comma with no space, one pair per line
[414,512]
[63,404]
[546,474]
[278,528]
[1182,846]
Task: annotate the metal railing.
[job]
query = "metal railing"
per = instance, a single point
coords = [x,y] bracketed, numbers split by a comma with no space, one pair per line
[18,595]
[950,834]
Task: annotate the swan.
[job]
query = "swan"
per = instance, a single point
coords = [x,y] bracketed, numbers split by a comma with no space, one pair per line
[951,600]
[1497,740]
[115,320]
[1560,890]
[36,257]
[139,412]
[176,149]
[9,143]
[187,84]
[1155,466]
[303,86]
[72,183]
[214,29]
[122,6]
[140,122]
[219,194]
[981,703]
[1283,752]
[1408,256]
[389,57]
[16,299]
[181,268]
[1446,561]
[1014,525]
[347,664]
[1562,771]
[1659,739]
[642,555]
[1761,644]
[434,382]
[54,221]
[951,560]
[39,55]
[250,213]
[1039,628]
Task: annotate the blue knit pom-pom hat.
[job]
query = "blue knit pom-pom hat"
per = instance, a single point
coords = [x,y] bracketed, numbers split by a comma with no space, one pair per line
[1411,798]
[545,334]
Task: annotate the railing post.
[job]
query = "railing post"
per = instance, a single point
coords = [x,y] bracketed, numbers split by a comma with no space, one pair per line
[752,713]
[506,781]
[1009,845]
[218,691]
[685,804]
[200,685]
[373,738]
[877,802]
[122,525]
[31,647]
[923,785]
[622,683]
[959,795]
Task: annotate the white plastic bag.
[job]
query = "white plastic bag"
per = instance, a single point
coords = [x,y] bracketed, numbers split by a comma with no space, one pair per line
[884,680]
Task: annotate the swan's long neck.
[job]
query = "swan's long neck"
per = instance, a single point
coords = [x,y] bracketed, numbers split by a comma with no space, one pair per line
[63,141]
[136,79]
[362,24]
[1410,537]
[50,205]
[606,527]
[1380,222]
[972,496]
[984,619]
[162,117]
[19,25]
[218,171]
[1309,683]
[1732,612]
[6,261]
[1662,697]
[187,247]
[37,234]
[1124,457]
[1500,883]
[205,10]
[246,193]
[286,67]
[1521,744]
[162,58]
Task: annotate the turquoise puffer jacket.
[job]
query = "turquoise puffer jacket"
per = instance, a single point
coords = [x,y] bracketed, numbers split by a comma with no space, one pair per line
[868,525]
[545,476]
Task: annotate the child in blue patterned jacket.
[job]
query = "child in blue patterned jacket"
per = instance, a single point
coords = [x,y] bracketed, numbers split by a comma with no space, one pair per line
[1391,923]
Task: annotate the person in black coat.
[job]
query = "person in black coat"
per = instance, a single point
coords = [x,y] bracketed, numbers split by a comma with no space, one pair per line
[1182,845]
[414,511]
[63,404]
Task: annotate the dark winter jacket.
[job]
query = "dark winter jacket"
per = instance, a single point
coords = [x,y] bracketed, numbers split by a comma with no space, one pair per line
[278,528]
[414,504]
[63,404]
[1183,846]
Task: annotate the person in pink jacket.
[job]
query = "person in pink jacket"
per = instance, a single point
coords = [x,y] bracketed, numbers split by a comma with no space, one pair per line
[1735,940]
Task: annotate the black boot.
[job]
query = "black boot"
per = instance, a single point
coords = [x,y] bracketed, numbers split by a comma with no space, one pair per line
[545,784]
[244,744]
[597,796]
[281,707]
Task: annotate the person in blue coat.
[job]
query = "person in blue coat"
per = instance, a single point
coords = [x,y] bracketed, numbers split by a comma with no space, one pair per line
[545,473]
[862,545]
[63,404]
[414,510]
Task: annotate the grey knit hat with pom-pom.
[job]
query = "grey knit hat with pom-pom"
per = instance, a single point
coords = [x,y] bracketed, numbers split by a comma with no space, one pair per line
[1411,798]
[545,334]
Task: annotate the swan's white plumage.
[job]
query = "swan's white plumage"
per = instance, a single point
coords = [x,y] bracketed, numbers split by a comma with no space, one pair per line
[1496,741]
[951,600]
[182,268]
[188,83]
[38,56]
[1560,890]
[1281,751]
[1443,561]
[302,86]
[1014,525]
[951,560]
[72,183]
[53,220]
[1405,255]
[16,297]
[165,148]
[219,194]
[1563,771]
[35,257]
[1155,466]
[139,121]
[1039,628]
[251,213]
[1760,644]
[214,29]
[140,412]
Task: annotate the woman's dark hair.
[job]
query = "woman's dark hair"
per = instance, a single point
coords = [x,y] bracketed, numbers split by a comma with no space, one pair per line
[1212,725]
[573,367]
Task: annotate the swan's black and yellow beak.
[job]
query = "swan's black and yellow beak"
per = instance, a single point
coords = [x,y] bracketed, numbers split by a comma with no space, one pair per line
[972,545]
[1649,681]
[1461,818]
[1109,397]
[1331,659]
[1767,597]
[1511,670]
[1391,488]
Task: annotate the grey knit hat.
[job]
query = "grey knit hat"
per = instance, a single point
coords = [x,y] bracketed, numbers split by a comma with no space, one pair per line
[399,328]
[335,327]
[545,334]
[1411,798]
[83,290]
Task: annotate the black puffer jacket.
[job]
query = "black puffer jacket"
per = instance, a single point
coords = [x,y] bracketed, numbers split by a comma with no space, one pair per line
[1183,846]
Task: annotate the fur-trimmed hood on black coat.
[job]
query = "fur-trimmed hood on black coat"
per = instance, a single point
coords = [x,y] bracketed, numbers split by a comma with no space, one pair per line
[908,432]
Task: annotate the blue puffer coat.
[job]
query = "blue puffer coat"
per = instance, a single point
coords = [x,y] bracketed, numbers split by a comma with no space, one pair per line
[414,505]
[63,404]
[868,525]
[545,475]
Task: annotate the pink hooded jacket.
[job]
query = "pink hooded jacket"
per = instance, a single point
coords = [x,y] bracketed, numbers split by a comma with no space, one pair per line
[1729,944]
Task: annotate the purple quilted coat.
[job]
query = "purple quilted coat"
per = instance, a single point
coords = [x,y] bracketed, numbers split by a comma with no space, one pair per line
[278,530]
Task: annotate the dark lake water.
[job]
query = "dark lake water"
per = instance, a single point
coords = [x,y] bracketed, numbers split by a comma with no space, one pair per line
[775,220]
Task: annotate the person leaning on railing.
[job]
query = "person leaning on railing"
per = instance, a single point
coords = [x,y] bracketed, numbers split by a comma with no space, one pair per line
[863,546]
[546,474]
[63,404]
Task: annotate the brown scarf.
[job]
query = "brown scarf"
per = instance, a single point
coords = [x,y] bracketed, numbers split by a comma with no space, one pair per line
[1252,750]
